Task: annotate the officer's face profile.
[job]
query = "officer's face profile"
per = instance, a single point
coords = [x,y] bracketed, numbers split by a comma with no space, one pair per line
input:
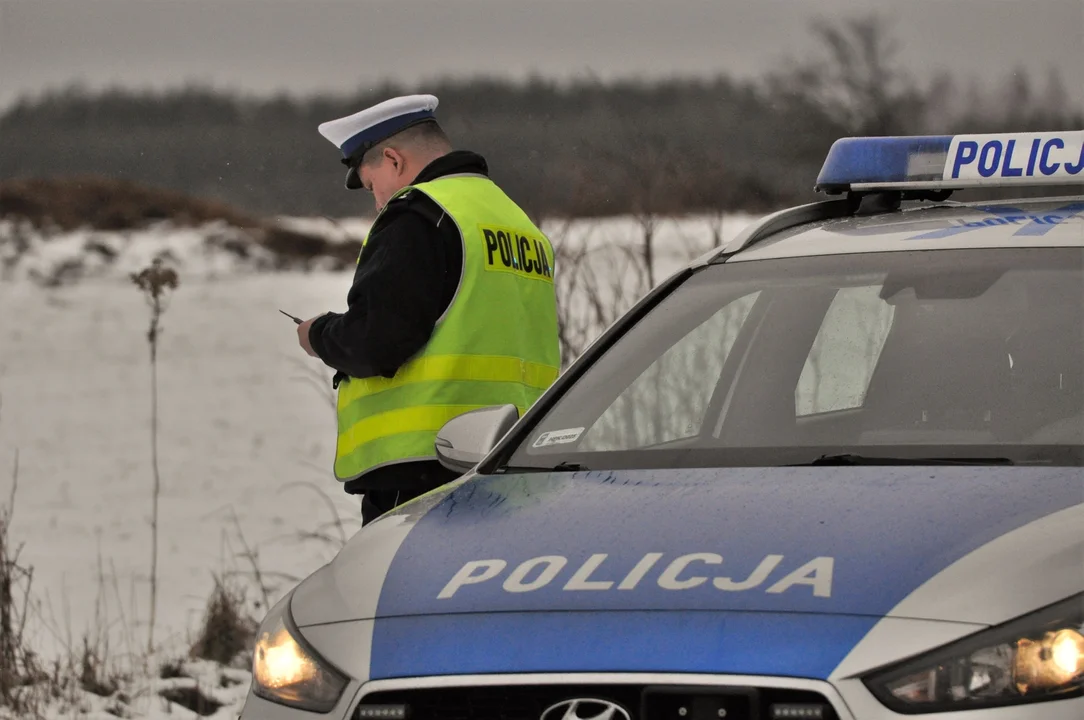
[383,175]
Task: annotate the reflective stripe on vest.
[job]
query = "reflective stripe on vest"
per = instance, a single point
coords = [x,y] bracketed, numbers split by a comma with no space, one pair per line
[496,344]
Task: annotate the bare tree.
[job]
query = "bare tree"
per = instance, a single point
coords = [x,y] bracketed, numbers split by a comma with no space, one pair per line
[573,331]
[856,81]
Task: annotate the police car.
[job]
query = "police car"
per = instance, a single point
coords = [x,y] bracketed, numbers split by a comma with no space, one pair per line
[833,469]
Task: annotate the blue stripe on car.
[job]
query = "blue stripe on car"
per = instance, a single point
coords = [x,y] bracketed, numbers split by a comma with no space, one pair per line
[886,530]
[798,645]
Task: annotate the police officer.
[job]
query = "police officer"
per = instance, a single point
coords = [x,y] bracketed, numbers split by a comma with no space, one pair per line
[452,306]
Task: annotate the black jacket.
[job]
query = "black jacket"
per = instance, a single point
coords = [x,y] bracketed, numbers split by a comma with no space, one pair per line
[409,271]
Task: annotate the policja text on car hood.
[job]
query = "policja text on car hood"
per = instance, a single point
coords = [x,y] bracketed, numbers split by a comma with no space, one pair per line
[826,540]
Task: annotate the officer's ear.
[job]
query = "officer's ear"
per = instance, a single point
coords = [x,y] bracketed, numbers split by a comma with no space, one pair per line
[395,158]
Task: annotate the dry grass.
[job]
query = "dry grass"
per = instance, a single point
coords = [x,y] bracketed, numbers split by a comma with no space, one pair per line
[69,203]
[228,630]
[20,669]
[107,204]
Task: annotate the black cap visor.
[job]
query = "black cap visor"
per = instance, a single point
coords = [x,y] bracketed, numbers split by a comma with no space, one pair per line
[353,178]
[352,163]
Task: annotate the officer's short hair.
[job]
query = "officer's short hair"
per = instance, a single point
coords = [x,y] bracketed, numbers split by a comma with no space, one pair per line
[424,134]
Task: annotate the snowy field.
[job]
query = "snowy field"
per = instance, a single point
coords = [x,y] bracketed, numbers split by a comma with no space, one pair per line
[246,432]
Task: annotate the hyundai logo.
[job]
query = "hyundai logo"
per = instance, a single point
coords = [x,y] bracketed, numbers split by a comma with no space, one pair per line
[585,709]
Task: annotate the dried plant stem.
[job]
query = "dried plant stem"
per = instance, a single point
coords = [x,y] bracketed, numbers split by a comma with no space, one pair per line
[156,491]
[154,281]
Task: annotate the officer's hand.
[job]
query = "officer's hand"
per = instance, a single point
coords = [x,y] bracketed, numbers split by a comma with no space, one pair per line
[303,337]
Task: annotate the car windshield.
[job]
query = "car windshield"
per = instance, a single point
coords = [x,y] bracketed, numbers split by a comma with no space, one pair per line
[949,355]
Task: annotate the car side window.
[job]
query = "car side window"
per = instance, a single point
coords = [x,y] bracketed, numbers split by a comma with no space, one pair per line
[667,402]
[840,363]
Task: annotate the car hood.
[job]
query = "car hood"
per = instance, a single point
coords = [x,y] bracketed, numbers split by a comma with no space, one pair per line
[965,544]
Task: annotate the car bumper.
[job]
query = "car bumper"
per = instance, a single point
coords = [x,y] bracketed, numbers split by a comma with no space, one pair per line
[849,699]
[256,708]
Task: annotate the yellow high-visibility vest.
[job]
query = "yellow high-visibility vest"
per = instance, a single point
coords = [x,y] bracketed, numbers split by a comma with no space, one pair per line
[495,344]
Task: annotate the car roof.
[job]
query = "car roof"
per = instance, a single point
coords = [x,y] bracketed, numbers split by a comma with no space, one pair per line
[1032,222]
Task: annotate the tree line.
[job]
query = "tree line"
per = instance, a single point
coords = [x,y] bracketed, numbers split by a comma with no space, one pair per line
[581,149]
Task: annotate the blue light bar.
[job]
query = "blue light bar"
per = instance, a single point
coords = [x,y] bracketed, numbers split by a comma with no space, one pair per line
[941,162]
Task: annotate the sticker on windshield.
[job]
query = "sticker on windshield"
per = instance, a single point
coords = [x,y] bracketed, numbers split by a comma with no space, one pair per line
[558,437]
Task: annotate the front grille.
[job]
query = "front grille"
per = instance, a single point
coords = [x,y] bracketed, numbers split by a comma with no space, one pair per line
[642,702]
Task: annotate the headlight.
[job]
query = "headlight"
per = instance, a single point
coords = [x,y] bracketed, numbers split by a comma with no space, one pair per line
[1031,659]
[286,670]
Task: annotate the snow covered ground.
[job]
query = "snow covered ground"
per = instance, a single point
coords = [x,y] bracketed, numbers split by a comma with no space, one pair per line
[246,430]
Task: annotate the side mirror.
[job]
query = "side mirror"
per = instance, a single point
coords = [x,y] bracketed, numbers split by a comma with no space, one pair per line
[466,439]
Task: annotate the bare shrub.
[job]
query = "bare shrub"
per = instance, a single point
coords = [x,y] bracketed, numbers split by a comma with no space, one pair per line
[227,629]
[293,249]
[192,698]
[172,668]
[93,676]
[598,280]
[20,668]
[323,532]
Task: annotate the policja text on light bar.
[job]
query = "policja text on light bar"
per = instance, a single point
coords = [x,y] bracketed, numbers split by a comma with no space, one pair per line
[939,162]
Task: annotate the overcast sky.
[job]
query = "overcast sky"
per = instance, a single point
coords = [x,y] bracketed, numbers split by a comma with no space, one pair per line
[304,46]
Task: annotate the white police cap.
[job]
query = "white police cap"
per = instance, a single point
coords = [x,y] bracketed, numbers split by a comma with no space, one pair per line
[355,134]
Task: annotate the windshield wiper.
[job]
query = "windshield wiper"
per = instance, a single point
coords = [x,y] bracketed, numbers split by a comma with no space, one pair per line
[851,459]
